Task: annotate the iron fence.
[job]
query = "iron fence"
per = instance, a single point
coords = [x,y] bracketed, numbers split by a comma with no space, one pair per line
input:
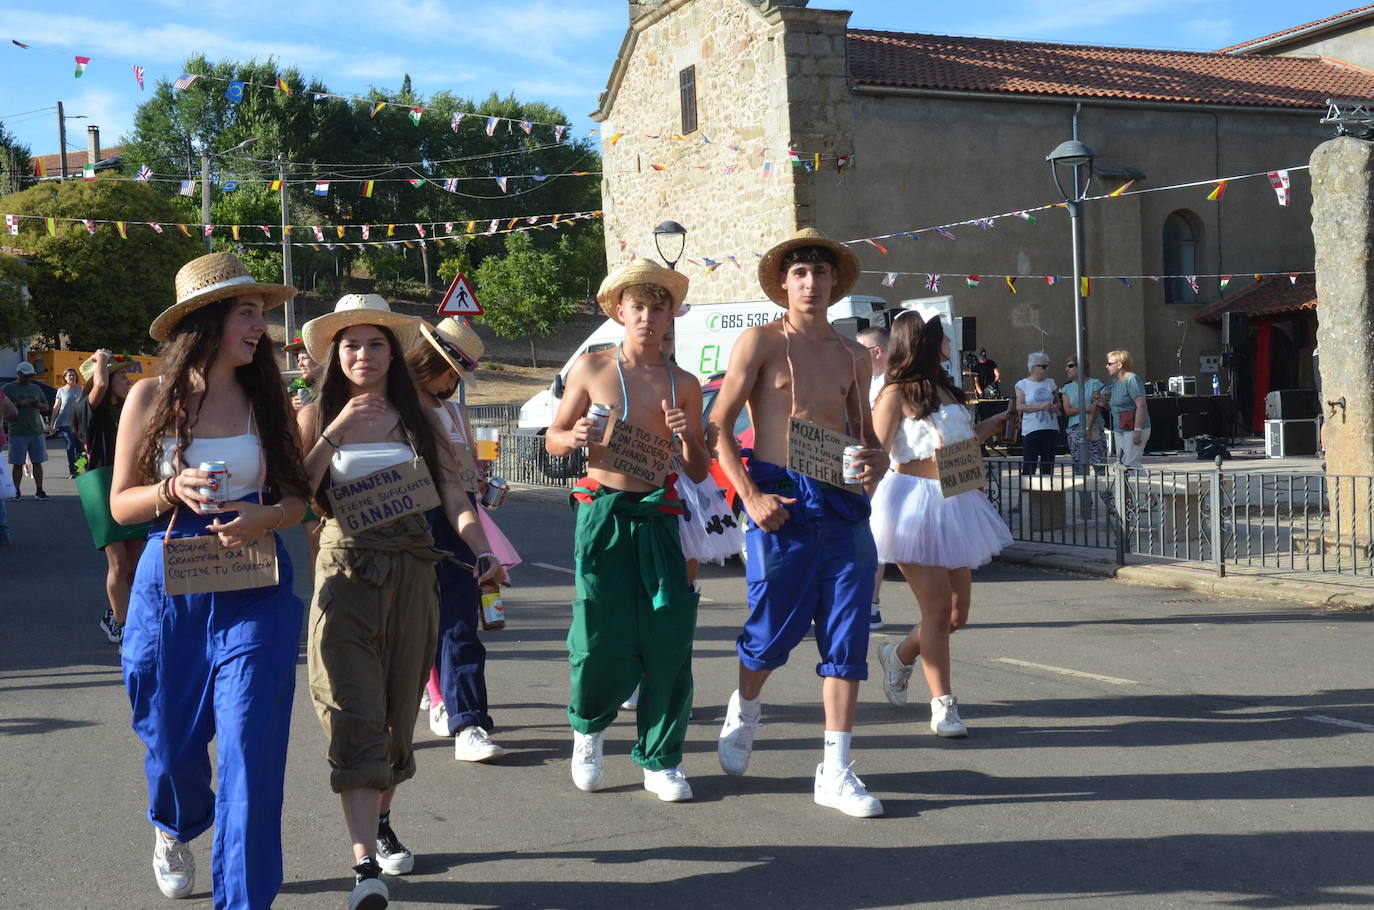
[1306,522]
[523,458]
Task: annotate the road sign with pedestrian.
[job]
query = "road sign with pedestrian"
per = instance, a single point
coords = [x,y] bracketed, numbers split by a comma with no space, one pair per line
[460,300]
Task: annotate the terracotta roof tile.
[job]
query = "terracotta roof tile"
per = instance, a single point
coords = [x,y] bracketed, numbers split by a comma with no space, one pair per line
[1348,14]
[76,159]
[1270,297]
[1085,71]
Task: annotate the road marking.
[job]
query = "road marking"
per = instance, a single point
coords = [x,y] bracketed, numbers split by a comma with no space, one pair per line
[1338,722]
[552,567]
[1065,671]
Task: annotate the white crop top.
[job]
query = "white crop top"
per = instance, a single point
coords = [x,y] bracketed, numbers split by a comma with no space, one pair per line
[242,455]
[918,439]
[359,459]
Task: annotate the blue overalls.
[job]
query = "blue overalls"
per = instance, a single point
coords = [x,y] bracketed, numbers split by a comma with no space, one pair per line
[215,666]
[460,656]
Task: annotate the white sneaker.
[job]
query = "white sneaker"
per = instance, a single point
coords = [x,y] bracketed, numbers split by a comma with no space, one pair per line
[438,720]
[670,784]
[896,675]
[736,737]
[173,866]
[944,717]
[844,791]
[472,744]
[424,699]
[588,769]
[632,702]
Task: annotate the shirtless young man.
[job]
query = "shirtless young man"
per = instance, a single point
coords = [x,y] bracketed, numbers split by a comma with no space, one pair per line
[811,556]
[632,624]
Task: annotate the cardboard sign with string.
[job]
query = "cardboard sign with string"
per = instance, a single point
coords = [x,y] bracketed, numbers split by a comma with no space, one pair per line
[383,496]
[469,475]
[812,449]
[202,565]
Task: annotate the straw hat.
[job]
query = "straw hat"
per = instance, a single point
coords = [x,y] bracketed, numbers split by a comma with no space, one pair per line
[357,309]
[292,347]
[116,363]
[641,271]
[457,341]
[212,277]
[770,266]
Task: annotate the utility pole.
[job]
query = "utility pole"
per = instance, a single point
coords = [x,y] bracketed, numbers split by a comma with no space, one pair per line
[62,141]
[205,196]
[286,252]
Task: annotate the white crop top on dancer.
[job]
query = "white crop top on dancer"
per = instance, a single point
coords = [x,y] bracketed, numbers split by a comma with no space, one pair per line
[918,439]
[242,455]
[357,460]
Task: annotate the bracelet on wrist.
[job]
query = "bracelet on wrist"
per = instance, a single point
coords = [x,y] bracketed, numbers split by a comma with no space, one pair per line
[281,519]
[325,437]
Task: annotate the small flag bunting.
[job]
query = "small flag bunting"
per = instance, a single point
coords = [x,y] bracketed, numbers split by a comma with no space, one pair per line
[376,108]
[1085,286]
[81,65]
[415,114]
[415,181]
[185,80]
[973,280]
[322,188]
[275,185]
[122,229]
[1121,189]
[188,188]
[12,223]
[878,246]
[367,188]
[933,282]
[889,279]
[1221,285]
[282,86]
[453,123]
[945,232]
[1192,283]
[501,182]
[138,76]
[90,225]
[1280,182]
[1217,192]
[491,125]
[1011,284]
[88,171]
[235,91]
[51,225]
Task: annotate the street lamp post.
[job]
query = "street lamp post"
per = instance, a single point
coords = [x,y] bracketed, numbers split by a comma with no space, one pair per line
[205,184]
[1074,154]
[671,231]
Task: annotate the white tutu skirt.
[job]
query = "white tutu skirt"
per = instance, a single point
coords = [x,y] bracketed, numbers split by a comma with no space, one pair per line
[912,522]
[711,534]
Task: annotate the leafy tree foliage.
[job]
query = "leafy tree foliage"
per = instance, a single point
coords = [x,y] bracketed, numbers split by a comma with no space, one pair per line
[14,161]
[16,321]
[526,293]
[99,290]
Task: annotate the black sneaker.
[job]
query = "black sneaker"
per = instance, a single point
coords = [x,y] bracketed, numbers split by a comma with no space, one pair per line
[392,855]
[42,496]
[108,624]
[116,634]
[369,891]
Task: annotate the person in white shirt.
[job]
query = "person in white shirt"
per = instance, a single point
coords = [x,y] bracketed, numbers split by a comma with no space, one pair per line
[1038,405]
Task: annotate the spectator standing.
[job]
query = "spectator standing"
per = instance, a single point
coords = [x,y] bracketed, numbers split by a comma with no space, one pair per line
[986,376]
[61,420]
[28,436]
[1083,430]
[1038,406]
[7,412]
[1130,417]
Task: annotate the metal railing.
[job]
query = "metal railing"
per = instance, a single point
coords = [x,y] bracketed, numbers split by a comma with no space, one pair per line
[1299,522]
[523,458]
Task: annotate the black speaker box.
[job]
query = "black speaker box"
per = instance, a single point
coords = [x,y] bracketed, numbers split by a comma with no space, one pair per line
[850,326]
[1209,447]
[965,333]
[1235,329]
[882,319]
[1292,404]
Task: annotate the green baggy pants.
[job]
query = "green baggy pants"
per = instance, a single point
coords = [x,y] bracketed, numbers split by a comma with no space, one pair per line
[633,620]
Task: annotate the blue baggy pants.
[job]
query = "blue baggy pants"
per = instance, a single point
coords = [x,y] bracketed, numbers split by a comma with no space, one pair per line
[215,666]
[460,656]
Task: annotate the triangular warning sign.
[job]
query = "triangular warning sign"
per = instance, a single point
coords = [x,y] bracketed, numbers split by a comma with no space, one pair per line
[460,300]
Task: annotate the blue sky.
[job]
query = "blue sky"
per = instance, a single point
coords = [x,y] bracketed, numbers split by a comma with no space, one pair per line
[558,52]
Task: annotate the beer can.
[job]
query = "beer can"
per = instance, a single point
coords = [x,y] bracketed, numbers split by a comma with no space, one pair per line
[493,611]
[495,494]
[304,395]
[850,465]
[218,471]
[599,415]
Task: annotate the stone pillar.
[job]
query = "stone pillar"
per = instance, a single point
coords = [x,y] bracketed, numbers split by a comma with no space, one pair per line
[1343,232]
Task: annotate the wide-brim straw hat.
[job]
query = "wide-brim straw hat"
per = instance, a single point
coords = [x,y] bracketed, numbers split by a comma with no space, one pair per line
[641,271]
[292,347]
[357,309]
[117,363]
[770,266]
[457,342]
[215,276]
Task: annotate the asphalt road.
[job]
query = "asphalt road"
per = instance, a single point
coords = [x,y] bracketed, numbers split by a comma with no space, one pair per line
[1130,747]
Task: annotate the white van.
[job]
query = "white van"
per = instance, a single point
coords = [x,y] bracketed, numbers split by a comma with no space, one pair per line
[706,334]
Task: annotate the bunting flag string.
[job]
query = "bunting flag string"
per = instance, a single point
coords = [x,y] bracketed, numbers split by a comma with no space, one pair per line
[932,279]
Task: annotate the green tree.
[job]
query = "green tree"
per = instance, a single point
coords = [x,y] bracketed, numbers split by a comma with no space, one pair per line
[14,161]
[100,290]
[16,321]
[525,292]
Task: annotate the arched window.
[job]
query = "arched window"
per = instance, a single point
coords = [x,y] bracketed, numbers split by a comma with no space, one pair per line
[1181,235]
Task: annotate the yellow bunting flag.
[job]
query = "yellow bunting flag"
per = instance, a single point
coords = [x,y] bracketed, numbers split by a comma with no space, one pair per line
[52,226]
[184,229]
[469,228]
[818,161]
[234,229]
[1011,284]
[1218,191]
[1085,286]
[391,230]
[511,224]
[340,231]
[1121,189]
[276,185]
[282,86]
[286,229]
[123,232]
[616,138]
[367,187]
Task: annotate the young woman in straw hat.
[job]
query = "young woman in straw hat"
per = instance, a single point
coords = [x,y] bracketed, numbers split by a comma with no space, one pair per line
[217,663]
[374,617]
[105,385]
[442,358]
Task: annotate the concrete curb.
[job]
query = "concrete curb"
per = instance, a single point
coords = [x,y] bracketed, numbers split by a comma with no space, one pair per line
[1312,592]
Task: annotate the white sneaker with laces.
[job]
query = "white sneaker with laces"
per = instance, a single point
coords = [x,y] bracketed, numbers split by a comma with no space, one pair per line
[473,744]
[844,791]
[896,675]
[173,866]
[944,717]
[737,737]
[438,720]
[588,768]
[670,784]
[632,702]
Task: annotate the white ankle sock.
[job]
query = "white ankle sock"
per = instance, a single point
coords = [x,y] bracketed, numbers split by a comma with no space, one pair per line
[836,752]
[750,707]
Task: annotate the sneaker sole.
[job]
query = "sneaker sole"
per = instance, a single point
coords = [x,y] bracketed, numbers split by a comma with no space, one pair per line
[670,797]
[947,735]
[486,755]
[397,866]
[590,786]
[866,812]
[377,899]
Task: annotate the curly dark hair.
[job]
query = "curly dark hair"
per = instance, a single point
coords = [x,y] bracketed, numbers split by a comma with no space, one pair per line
[913,364]
[336,389]
[188,353]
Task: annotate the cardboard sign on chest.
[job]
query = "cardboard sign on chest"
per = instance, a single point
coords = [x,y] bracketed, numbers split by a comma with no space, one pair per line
[818,452]
[383,497]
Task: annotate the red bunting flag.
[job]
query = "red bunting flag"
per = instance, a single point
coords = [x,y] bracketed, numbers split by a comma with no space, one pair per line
[138,75]
[1218,191]
[973,280]
[282,86]
[880,248]
[81,65]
